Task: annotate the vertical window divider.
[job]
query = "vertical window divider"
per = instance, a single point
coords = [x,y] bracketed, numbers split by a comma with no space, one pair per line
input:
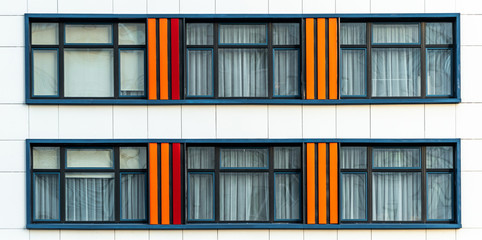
[271,185]
[302,90]
[424,183]
[62,184]
[217,163]
[216,63]
[117,190]
[369,60]
[117,79]
[61,59]
[270,61]
[369,185]
[423,62]
[303,178]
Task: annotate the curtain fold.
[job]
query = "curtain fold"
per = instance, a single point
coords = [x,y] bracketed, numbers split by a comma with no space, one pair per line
[353,72]
[354,196]
[353,33]
[200,70]
[46,197]
[133,195]
[201,196]
[353,157]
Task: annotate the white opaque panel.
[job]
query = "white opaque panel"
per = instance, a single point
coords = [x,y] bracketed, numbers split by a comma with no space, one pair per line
[90,158]
[46,157]
[133,157]
[132,33]
[45,72]
[95,34]
[242,34]
[396,33]
[45,33]
[132,72]
[88,73]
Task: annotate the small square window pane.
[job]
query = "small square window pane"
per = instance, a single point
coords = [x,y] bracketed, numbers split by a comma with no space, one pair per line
[133,157]
[88,33]
[200,72]
[200,157]
[286,33]
[133,196]
[244,158]
[353,158]
[439,33]
[201,196]
[353,72]
[439,196]
[354,196]
[242,34]
[440,157]
[439,72]
[132,34]
[132,72]
[286,72]
[353,33]
[90,158]
[45,73]
[46,157]
[199,34]
[396,33]
[46,197]
[287,157]
[287,196]
[45,33]
[396,157]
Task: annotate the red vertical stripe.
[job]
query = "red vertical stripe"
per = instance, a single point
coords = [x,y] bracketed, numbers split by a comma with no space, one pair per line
[174,58]
[176,183]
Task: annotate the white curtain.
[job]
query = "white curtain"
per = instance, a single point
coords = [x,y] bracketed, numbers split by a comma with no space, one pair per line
[286,72]
[353,72]
[133,195]
[396,157]
[242,34]
[200,157]
[354,196]
[353,33]
[439,196]
[201,196]
[200,72]
[46,197]
[286,33]
[199,34]
[287,157]
[439,33]
[395,33]
[353,158]
[440,157]
[439,71]
[287,196]
[244,158]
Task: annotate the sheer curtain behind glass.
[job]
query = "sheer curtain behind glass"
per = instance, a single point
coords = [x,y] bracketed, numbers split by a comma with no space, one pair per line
[287,184]
[133,195]
[46,197]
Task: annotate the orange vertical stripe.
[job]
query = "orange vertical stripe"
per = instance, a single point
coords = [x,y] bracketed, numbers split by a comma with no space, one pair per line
[333,58]
[163,60]
[310,183]
[333,183]
[151,59]
[322,183]
[165,213]
[153,189]
[321,56]
[310,59]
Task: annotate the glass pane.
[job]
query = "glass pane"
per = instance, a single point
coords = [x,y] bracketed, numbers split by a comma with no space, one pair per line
[242,34]
[397,197]
[243,197]
[89,197]
[45,33]
[132,72]
[244,158]
[133,196]
[439,72]
[439,196]
[396,157]
[80,33]
[354,196]
[287,196]
[353,158]
[199,34]
[132,33]
[46,157]
[46,197]
[133,157]
[440,157]
[439,33]
[90,158]
[45,72]
[396,72]
[286,33]
[353,72]
[286,72]
[353,33]
[89,73]
[396,33]
[200,157]
[243,73]
[200,72]
[201,196]
[287,157]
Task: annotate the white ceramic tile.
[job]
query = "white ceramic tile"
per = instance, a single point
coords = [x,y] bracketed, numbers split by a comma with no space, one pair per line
[397,6]
[285,121]
[157,6]
[12,75]
[17,234]
[353,121]
[439,120]
[469,117]
[353,6]
[42,6]
[196,6]
[164,121]
[439,6]
[354,234]
[85,122]
[85,6]
[44,121]
[130,121]
[12,156]
[129,6]
[319,6]
[131,234]
[398,234]
[165,234]
[397,121]
[14,26]
[467,25]
[243,234]
[469,6]
[470,155]
[242,121]
[90,235]
[198,121]
[199,234]
[12,205]
[285,6]
[319,121]
[286,234]
[471,195]
[13,7]
[468,234]
[440,234]
[245,6]
[14,122]
[470,70]
[44,234]
[320,234]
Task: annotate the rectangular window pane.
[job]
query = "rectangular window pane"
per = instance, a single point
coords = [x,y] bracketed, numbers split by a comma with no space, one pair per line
[354,196]
[243,197]
[287,196]
[353,33]
[439,33]
[243,73]
[89,197]
[353,158]
[244,158]
[133,157]
[45,33]
[46,197]
[46,157]
[89,73]
[396,33]
[132,34]
[88,33]
[439,196]
[353,72]
[132,75]
[242,34]
[199,33]
[45,73]
[397,197]
[90,158]
[287,157]
[286,72]
[396,157]
[133,196]
[286,33]
[200,72]
[396,72]
[201,196]
[200,157]
[440,157]
[439,71]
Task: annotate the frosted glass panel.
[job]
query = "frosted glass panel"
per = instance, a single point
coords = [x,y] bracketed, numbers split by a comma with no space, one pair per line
[45,33]
[45,72]
[88,33]
[132,74]
[46,157]
[90,158]
[133,157]
[132,33]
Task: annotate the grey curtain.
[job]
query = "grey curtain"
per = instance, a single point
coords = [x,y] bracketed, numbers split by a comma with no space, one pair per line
[287,196]
[46,197]
[200,72]
[201,196]
[244,158]
[353,158]
[287,157]
[286,72]
[354,196]
[353,72]
[133,195]
[396,157]
[353,33]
